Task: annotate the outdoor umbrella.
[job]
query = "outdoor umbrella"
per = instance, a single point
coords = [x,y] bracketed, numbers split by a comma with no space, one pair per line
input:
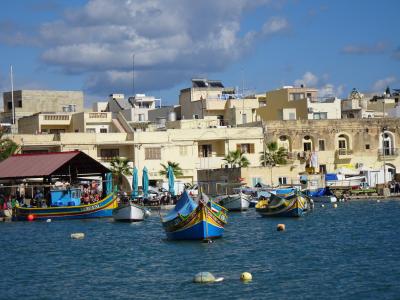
[108,183]
[135,183]
[171,181]
[145,182]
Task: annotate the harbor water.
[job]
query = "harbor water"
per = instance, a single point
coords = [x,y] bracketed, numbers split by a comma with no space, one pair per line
[348,252]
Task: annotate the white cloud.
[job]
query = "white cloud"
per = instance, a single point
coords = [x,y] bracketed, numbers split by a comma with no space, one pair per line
[274,25]
[380,85]
[325,89]
[376,48]
[177,37]
[308,79]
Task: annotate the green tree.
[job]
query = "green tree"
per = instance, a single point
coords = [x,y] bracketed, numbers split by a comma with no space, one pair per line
[236,157]
[7,146]
[176,169]
[119,168]
[275,156]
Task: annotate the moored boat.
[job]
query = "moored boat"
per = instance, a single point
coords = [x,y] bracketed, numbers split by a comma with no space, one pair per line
[322,195]
[102,208]
[129,212]
[189,220]
[293,204]
[235,202]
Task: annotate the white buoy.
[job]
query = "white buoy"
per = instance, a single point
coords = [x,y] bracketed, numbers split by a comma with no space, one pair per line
[205,277]
[322,205]
[246,276]
[378,200]
[48,220]
[77,235]
[334,205]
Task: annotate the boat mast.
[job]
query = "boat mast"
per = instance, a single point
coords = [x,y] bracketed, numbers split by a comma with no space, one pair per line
[12,95]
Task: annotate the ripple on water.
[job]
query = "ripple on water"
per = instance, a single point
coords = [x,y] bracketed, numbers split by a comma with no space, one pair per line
[349,252]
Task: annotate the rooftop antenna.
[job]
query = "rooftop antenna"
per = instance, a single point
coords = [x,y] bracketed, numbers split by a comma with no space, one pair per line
[12,95]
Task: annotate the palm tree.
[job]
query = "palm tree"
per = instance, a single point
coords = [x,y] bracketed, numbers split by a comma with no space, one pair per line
[7,146]
[236,157]
[175,168]
[274,156]
[119,168]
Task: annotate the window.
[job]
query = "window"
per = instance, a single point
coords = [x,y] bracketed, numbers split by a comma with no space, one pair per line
[9,105]
[322,169]
[320,116]
[245,148]
[90,130]
[141,117]
[296,96]
[342,144]
[244,118]
[103,130]
[183,150]
[367,147]
[205,151]
[152,153]
[195,116]
[109,153]
[321,145]
[19,103]
[282,180]
[255,180]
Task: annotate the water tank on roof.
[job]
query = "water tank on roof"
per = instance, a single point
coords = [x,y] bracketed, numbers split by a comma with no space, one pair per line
[172,116]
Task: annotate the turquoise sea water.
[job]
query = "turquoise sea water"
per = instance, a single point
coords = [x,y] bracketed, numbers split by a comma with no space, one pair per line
[351,252]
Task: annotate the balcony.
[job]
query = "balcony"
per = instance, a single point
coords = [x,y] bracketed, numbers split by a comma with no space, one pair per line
[344,153]
[388,153]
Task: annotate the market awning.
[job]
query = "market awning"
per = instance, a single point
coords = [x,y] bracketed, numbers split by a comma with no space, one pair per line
[50,164]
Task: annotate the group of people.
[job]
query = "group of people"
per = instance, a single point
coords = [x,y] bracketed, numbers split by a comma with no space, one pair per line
[91,193]
[394,187]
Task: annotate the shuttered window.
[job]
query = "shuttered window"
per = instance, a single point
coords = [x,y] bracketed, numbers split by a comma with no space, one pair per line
[152,153]
[245,148]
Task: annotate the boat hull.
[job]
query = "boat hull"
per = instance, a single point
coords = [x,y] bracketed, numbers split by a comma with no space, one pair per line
[296,206]
[102,208]
[324,199]
[237,202]
[202,223]
[129,213]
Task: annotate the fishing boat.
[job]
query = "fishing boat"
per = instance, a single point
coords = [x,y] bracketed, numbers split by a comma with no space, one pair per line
[292,204]
[234,202]
[321,195]
[129,212]
[189,220]
[71,210]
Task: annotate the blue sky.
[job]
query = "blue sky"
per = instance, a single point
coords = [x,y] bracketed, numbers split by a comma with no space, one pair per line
[258,44]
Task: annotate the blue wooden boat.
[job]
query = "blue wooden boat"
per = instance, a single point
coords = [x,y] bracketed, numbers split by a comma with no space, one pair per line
[292,203]
[66,205]
[189,220]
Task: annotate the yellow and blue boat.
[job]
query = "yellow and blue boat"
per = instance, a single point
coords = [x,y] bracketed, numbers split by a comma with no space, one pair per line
[189,220]
[102,208]
[290,204]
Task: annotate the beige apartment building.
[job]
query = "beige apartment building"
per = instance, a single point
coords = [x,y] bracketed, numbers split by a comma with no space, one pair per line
[297,103]
[29,102]
[209,99]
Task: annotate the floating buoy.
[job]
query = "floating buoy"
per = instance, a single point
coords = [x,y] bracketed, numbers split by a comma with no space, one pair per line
[30,217]
[378,200]
[334,205]
[204,277]
[77,236]
[322,205]
[281,227]
[246,276]
[48,220]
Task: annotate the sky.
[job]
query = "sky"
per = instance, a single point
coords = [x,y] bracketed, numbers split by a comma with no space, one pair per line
[254,45]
